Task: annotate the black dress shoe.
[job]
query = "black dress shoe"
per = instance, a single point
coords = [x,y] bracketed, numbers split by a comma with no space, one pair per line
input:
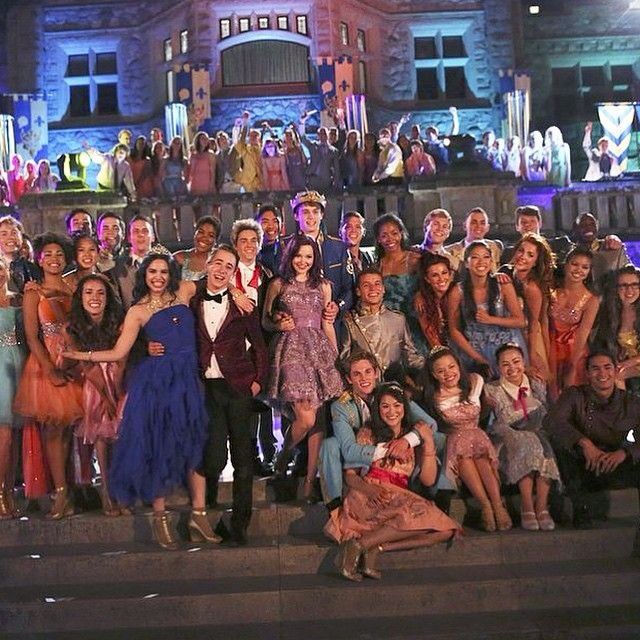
[239,537]
[222,531]
[582,517]
[261,470]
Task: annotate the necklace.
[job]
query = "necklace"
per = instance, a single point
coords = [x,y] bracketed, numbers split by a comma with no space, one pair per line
[156,304]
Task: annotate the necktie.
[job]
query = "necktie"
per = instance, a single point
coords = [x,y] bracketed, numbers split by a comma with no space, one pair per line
[215,297]
[605,164]
[521,402]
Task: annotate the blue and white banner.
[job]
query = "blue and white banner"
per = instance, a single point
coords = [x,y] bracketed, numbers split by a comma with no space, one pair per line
[193,90]
[326,77]
[31,129]
[176,122]
[616,119]
[7,141]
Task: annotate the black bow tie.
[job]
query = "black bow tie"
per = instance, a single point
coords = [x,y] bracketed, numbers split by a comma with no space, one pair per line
[215,297]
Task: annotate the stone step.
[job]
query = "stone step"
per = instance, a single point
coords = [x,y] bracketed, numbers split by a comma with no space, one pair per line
[133,562]
[272,599]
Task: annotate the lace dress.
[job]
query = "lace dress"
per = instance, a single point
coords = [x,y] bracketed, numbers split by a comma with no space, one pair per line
[466,439]
[11,363]
[188,273]
[303,360]
[405,510]
[517,432]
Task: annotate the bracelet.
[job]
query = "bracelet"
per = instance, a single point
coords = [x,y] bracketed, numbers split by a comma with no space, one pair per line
[236,295]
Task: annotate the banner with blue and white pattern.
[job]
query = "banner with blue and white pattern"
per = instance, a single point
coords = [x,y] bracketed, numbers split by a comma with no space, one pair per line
[616,119]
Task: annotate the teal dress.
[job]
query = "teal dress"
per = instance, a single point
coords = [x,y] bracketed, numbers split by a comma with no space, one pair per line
[11,361]
[399,292]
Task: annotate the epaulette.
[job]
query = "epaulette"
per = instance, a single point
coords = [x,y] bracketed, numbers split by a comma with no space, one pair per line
[345,397]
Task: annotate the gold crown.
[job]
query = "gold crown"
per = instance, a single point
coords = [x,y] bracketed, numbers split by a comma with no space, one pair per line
[159,250]
[308,197]
[437,350]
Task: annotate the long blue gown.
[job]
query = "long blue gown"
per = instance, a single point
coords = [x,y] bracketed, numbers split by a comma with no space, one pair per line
[164,423]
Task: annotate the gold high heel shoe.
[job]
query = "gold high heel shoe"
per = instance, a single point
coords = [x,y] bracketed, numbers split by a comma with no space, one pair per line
[62,506]
[348,561]
[369,561]
[200,528]
[503,519]
[7,508]
[487,518]
[162,532]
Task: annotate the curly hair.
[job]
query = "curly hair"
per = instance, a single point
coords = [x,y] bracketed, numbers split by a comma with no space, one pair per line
[469,306]
[543,270]
[86,334]
[41,241]
[140,288]
[431,302]
[293,246]
[390,218]
[381,431]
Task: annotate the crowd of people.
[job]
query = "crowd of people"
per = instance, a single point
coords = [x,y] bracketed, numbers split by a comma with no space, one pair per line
[265,159]
[402,374]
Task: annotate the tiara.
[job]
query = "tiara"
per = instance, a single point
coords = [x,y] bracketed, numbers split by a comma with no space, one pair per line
[159,250]
[437,350]
[308,197]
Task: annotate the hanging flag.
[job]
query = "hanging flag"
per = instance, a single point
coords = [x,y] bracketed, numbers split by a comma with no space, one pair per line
[343,67]
[326,77]
[30,125]
[356,109]
[616,119]
[176,121]
[192,88]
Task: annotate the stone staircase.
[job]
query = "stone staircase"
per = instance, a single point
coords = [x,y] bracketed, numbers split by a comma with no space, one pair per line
[95,577]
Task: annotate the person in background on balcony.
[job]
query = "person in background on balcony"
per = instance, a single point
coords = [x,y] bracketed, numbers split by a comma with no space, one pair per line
[295,159]
[603,165]
[437,227]
[323,170]
[30,176]
[486,151]
[227,165]
[11,362]
[110,228]
[519,404]
[594,431]
[419,163]
[514,156]
[534,168]
[124,137]
[249,175]
[405,146]
[453,397]
[140,162]
[572,312]
[617,326]
[379,512]
[531,270]
[45,181]
[483,313]
[4,188]
[557,158]
[21,269]
[476,226]
[158,161]
[274,167]
[370,153]
[201,168]
[270,219]
[435,278]
[352,161]
[115,172]
[47,392]
[193,262]
[15,179]
[390,169]
[174,180]
[352,232]
[436,147]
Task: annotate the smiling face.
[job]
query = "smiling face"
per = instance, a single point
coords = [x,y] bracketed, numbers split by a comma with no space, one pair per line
[628,286]
[80,222]
[362,377]
[370,289]
[528,224]
[157,277]
[110,233]
[476,225]
[247,246]
[94,299]
[525,257]
[511,365]
[270,226]
[10,239]
[52,260]
[390,237]
[270,149]
[446,372]
[439,277]
[352,231]
[140,237]
[86,254]
[309,217]
[601,375]
[204,238]
[577,269]
[479,261]
[302,261]
[220,268]
[587,228]
[391,412]
[437,230]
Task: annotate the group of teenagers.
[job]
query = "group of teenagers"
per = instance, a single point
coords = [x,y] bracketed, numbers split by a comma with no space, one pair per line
[410,372]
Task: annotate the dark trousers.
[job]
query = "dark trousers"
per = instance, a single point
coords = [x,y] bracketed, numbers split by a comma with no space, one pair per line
[263,431]
[230,418]
[578,480]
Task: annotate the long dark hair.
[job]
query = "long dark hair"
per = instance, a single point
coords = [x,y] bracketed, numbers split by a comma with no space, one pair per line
[609,315]
[381,432]
[287,271]
[469,307]
[576,251]
[86,334]
[431,386]
[433,307]
[542,272]
[140,288]
[390,218]
[41,241]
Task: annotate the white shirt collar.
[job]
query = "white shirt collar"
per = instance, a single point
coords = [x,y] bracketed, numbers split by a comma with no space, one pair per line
[514,390]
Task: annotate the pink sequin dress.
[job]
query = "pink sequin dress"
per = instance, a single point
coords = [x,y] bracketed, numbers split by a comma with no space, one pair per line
[404,511]
[466,439]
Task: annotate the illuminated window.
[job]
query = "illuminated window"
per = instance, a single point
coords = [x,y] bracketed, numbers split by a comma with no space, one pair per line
[184,41]
[92,79]
[244,25]
[534,9]
[263,22]
[361,42]
[301,25]
[225,28]
[344,34]
[283,23]
[168,50]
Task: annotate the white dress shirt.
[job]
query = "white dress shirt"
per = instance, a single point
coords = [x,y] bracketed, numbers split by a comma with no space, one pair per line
[214,315]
